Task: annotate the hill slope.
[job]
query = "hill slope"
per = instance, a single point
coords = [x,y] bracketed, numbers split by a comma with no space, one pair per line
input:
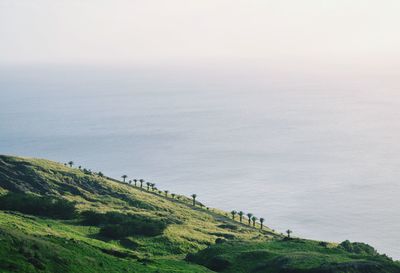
[55,218]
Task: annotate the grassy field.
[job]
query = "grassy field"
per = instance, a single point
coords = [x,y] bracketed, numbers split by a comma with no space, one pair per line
[110,226]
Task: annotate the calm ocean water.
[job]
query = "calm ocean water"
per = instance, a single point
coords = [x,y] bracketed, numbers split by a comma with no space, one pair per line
[319,157]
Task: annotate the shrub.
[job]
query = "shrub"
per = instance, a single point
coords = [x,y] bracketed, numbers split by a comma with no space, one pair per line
[52,207]
[323,244]
[358,248]
[116,225]
[218,263]
[228,226]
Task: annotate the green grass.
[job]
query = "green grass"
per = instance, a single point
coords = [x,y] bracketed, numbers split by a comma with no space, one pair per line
[31,243]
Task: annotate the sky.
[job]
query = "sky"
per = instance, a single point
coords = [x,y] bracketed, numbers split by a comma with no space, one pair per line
[129,32]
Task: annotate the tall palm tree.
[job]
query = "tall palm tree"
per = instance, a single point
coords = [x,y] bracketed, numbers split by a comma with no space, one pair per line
[194,199]
[233,212]
[262,222]
[240,213]
[71,163]
[254,219]
[249,215]
[288,233]
[141,183]
[148,185]
[124,177]
[166,193]
[135,181]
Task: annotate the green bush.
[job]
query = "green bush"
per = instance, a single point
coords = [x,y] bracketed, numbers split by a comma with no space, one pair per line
[358,248]
[52,207]
[117,225]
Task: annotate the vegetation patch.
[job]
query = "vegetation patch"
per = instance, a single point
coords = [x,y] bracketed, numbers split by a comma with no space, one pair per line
[51,207]
[292,256]
[115,225]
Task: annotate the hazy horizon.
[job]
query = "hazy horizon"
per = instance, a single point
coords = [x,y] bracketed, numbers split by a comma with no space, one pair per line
[341,33]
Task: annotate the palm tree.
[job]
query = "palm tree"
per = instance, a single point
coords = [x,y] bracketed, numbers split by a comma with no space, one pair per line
[124,177]
[261,222]
[71,163]
[135,181]
[288,233]
[130,182]
[240,213]
[194,199]
[233,212]
[166,193]
[254,219]
[141,183]
[173,195]
[79,167]
[249,215]
[148,185]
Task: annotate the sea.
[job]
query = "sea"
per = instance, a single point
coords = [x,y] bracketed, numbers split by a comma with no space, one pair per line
[314,151]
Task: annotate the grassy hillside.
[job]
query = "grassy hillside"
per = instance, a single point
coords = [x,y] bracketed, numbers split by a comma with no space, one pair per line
[54,218]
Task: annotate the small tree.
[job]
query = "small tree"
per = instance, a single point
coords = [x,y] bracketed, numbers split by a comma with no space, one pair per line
[233,213]
[135,181]
[262,222]
[194,199]
[79,167]
[166,193]
[148,185]
[100,174]
[153,186]
[240,213]
[71,163]
[173,195]
[124,177]
[130,182]
[288,232]
[141,183]
[249,215]
[254,219]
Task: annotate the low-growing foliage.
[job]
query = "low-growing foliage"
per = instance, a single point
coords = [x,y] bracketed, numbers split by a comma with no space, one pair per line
[116,225]
[38,205]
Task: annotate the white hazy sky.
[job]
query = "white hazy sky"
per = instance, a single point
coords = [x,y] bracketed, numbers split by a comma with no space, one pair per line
[190,31]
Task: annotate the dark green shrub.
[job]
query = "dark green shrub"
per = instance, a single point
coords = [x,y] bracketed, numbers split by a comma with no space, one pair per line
[228,226]
[358,248]
[218,263]
[52,207]
[116,225]
[323,244]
